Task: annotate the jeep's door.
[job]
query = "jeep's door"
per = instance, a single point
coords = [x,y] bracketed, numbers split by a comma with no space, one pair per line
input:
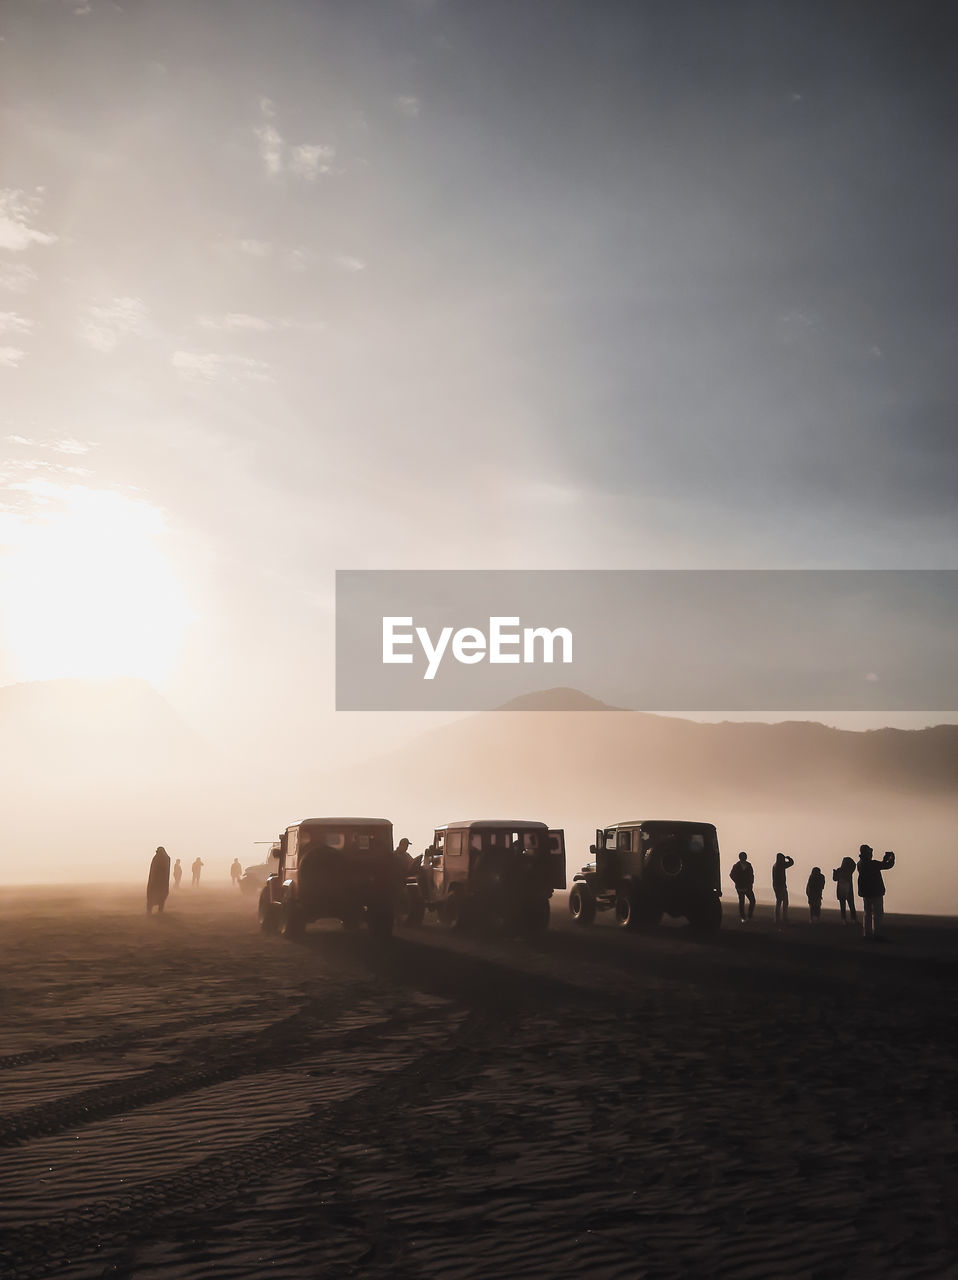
[557,858]
[455,858]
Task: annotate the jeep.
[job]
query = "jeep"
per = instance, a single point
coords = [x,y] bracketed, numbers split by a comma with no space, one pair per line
[338,868]
[644,870]
[497,874]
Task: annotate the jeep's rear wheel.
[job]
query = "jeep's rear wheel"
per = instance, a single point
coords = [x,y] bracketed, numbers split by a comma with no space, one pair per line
[534,917]
[707,916]
[452,912]
[379,919]
[581,904]
[268,921]
[293,920]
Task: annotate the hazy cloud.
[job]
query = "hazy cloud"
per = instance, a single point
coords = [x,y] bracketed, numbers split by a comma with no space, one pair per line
[11,357]
[210,366]
[16,215]
[16,277]
[407,105]
[307,160]
[104,326]
[349,263]
[10,322]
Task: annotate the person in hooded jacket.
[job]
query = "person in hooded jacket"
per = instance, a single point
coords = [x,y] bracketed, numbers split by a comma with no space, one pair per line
[844,877]
[158,884]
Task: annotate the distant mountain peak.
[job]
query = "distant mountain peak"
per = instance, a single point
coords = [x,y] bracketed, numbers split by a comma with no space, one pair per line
[558,699]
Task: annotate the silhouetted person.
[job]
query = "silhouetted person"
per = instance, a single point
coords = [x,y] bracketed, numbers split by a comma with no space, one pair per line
[742,876]
[871,889]
[196,868]
[236,871]
[844,877]
[779,884]
[177,874]
[158,884]
[813,892]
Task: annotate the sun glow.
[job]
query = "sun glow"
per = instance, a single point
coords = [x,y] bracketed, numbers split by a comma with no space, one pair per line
[85,590]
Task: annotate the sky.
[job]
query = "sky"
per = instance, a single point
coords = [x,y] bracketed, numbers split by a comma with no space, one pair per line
[287,288]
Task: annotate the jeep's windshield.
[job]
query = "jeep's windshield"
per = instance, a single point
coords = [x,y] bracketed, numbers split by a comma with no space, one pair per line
[350,839]
[520,840]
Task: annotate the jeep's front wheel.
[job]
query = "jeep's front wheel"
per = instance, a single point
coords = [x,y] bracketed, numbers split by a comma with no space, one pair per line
[581,904]
[268,921]
[293,920]
[625,914]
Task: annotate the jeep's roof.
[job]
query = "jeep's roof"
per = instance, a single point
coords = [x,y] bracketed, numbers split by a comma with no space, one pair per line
[657,822]
[496,824]
[341,822]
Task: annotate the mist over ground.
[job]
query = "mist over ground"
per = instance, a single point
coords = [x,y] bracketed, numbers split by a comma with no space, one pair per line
[99,773]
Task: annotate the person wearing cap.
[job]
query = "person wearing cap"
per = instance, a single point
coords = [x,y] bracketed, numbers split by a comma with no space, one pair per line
[779,867]
[871,890]
[742,876]
[158,884]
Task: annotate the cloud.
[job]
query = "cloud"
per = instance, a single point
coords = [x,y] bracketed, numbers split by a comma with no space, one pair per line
[239,320]
[16,277]
[348,263]
[309,160]
[407,105]
[11,357]
[10,322]
[68,445]
[208,366]
[16,214]
[103,327]
[270,148]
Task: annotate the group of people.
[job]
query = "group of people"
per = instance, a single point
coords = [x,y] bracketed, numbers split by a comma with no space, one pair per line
[871,889]
[158,883]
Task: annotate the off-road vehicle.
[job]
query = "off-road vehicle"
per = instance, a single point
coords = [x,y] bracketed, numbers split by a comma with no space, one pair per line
[338,868]
[495,873]
[644,870]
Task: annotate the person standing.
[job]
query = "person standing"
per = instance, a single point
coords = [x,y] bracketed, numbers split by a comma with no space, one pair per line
[844,877]
[177,873]
[871,890]
[158,883]
[742,876]
[235,872]
[813,892]
[779,867]
[196,868]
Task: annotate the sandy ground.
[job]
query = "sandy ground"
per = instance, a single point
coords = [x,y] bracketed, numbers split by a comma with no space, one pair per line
[183,1097]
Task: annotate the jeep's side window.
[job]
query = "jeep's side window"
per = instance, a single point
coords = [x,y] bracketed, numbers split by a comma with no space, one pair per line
[696,842]
[623,842]
[292,849]
[610,838]
[475,842]
[454,844]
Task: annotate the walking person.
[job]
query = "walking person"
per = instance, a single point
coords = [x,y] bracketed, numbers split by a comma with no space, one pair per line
[235,872]
[871,890]
[196,868]
[177,873]
[813,892]
[779,867]
[844,877]
[742,876]
[158,883]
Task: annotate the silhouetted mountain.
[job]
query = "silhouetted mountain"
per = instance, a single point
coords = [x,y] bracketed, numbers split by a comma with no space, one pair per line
[559,699]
